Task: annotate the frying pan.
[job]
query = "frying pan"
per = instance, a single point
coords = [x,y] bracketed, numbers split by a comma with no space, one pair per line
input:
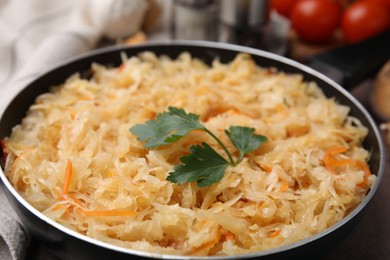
[69,244]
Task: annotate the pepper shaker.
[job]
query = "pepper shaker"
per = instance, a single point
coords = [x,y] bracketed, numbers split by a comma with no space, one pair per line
[243,22]
[194,20]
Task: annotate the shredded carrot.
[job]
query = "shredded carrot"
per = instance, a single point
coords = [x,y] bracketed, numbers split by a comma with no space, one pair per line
[266,168]
[68,177]
[233,111]
[330,163]
[100,213]
[363,166]
[13,167]
[261,204]
[22,154]
[208,244]
[227,235]
[284,186]
[109,213]
[274,233]
[61,206]
[281,108]
[337,163]
[329,160]
[336,150]
[57,207]
[74,200]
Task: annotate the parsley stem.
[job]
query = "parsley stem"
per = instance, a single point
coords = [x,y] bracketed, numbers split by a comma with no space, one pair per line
[222,145]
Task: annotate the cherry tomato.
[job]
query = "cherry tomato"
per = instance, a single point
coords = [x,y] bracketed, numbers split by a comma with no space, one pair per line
[283,7]
[316,20]
[364,19]
[385,3]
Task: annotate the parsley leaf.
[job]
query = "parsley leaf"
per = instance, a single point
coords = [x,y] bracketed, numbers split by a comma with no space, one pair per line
[167,128]
[244,139]
[203,165]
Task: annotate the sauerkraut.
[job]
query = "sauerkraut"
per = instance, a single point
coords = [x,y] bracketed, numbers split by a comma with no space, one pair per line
[74,159]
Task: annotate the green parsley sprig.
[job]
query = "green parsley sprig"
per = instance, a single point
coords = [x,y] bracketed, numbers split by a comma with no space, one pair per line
[203,164]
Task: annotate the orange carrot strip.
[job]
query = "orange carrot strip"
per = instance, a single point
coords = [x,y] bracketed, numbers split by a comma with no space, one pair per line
[68,177]
[234,111]
[274,234]
[209,243]
[336,150]
[329,160]
[109,213]
[13,167]
[228,235]
[57,207]
[73,200]
[261,204]
[102,213]
[363,166]
[22,154]
[330,163]
[338,163]
[265,168]
[284,186]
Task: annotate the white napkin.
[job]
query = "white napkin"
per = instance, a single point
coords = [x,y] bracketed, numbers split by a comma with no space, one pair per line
[37,34]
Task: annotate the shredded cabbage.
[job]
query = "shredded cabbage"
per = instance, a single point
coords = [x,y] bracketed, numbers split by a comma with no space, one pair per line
[294,186]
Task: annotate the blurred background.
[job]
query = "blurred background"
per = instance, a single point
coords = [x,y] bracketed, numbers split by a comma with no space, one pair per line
[348,40]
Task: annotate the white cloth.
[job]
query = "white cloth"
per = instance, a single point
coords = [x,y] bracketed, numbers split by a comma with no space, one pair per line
[37,34]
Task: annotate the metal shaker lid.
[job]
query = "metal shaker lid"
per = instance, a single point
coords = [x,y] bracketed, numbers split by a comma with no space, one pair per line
[194,3]
[243,13]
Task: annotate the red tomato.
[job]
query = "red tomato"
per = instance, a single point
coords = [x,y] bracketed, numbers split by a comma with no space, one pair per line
[364,19]
[316,20]
[385,3]
[283,7]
